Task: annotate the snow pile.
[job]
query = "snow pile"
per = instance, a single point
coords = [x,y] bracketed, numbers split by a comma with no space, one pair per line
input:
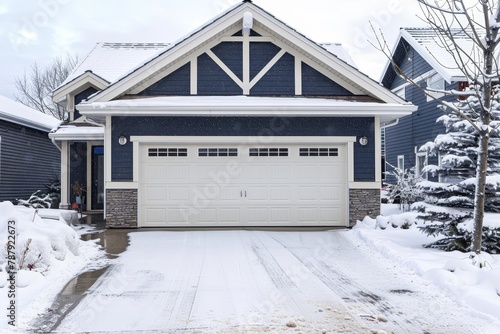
[454,272]
[48,253]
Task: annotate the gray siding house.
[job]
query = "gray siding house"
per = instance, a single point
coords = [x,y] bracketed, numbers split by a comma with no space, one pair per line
[419,55]
[245,122]
[28,158]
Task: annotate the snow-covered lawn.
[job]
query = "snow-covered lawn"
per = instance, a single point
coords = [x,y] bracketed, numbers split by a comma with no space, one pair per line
[48,253]
[452,272]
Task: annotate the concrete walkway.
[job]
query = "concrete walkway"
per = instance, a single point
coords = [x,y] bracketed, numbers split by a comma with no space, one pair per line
[259,282]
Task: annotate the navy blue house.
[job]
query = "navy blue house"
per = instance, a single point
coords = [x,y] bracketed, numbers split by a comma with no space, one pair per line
[419,55]
[245,122]
[28,159]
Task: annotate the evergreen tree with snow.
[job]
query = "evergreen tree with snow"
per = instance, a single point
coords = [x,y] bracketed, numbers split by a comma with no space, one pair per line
[457,150]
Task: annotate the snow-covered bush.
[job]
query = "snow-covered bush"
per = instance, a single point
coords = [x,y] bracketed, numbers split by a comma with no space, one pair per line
[456,228]
[50,199]
[38,244]
[405,191]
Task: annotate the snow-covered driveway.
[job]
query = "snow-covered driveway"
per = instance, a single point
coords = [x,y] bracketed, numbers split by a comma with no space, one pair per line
[262,281]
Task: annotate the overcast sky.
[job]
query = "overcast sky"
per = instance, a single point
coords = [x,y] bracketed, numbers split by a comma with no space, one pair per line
[39,30]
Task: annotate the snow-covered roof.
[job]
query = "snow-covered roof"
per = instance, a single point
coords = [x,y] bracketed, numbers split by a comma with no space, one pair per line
[18,113]
[338,50]
[429,45]
[110,61]
[244,106]
[72,132]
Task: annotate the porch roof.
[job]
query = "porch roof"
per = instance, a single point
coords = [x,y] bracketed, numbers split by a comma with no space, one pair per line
[78,133]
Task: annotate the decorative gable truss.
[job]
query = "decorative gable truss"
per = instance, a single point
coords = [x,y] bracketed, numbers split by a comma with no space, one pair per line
[254,65]
[270,59]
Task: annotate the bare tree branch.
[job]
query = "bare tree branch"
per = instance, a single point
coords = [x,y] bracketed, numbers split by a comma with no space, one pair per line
[35,86]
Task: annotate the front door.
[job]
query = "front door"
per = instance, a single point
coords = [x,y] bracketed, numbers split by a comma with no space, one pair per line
[97,178]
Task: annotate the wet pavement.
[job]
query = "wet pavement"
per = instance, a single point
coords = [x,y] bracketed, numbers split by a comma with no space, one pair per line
[114,242]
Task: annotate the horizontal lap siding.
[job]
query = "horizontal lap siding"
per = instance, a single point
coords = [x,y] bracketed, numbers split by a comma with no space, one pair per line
[176,83]
[315,83]
[28,160]
[415,130]
[231,54]
[279,80]
[364,156]
[212,80]
[413,65]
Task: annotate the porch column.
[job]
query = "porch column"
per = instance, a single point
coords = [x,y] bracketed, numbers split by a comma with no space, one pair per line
[64,175]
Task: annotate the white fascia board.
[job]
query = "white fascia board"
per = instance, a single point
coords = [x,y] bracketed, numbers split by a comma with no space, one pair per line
[241,140]
[81,134]
[384,111]
[78,85]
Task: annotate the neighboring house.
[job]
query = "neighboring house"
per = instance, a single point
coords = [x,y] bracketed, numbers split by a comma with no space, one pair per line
[245,122]
[418,52]
[28,159]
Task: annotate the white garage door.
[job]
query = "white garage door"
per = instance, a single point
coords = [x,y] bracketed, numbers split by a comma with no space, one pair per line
[252,185]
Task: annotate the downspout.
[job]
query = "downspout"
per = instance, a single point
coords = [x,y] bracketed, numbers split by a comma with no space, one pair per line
[55,144]
[391,123]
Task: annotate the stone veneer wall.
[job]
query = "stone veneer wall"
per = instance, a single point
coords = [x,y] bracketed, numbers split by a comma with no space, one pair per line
[121,208]
[362,203]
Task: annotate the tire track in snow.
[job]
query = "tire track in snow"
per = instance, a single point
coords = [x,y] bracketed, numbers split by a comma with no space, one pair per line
[360,301]
[191,282]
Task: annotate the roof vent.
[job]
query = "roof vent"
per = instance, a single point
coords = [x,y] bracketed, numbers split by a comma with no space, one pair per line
[247,23]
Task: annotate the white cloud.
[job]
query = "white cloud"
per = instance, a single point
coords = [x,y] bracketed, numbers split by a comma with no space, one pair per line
[3,9]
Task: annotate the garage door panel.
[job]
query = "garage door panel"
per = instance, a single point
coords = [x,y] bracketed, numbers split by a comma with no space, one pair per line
[195,190]
[229,215]
[155,193]
[256,193]
[178,193]
[277,193]
[156,216]
[258,215]
[206,216]
[178,172]
[279,215]
[156,173]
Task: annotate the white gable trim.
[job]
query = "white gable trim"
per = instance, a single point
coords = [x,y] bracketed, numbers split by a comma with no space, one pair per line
[78,85]
[229,21]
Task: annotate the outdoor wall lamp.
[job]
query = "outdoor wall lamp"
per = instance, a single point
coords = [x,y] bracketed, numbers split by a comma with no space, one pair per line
[122,140]
[363,140]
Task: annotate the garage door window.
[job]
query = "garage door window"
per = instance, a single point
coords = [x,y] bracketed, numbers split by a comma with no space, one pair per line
[319,152]
[167,152]
[218,152]
[268,152]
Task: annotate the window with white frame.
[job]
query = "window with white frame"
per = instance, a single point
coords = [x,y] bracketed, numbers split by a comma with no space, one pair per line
[420,163]
[436,82]
[401,162]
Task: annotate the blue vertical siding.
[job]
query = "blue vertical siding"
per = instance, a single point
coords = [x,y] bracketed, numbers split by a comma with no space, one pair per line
[364,156]
[279,80]
[212,80]
[28,160]
[316,84]
[176,83]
